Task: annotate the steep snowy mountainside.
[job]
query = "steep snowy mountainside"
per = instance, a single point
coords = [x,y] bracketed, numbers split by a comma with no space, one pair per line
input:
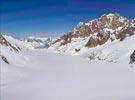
[10,49]
[38,42]
[17,42]
[115,51]
[111,51]
[107,30]
[5,42]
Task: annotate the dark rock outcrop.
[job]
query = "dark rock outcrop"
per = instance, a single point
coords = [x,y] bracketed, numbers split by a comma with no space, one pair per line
[132,58]
[4,59]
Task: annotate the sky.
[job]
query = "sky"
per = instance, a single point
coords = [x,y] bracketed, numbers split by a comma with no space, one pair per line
[21,18]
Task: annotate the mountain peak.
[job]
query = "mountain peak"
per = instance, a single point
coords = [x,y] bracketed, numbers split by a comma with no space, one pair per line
[107,27]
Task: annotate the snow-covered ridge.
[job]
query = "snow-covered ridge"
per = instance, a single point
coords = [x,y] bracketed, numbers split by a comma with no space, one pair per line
[17,42]
[4,41]
[10,49]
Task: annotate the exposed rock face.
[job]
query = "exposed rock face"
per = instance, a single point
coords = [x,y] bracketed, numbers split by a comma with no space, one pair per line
[132,58]
[99,31]
[4,59]
[77,50]
[3,41]
[92,42]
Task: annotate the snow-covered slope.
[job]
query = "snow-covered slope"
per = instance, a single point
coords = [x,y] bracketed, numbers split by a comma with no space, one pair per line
[10,49]
[17,42]
[111,51]
[49,76]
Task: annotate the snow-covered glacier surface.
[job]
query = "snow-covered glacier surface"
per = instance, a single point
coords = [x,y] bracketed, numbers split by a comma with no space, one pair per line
[42,75]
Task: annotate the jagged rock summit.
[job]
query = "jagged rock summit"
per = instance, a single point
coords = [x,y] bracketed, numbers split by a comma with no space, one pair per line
[99,31]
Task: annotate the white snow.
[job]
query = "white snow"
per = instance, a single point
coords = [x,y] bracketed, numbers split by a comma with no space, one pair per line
[49,76]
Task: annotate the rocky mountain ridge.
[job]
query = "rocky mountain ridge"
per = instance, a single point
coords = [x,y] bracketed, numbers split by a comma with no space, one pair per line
[99,31]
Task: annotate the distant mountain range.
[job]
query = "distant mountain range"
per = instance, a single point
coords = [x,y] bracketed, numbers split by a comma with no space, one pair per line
[39,42]
[110,38]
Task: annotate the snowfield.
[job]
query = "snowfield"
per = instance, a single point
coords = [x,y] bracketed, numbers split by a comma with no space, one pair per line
[43,75]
